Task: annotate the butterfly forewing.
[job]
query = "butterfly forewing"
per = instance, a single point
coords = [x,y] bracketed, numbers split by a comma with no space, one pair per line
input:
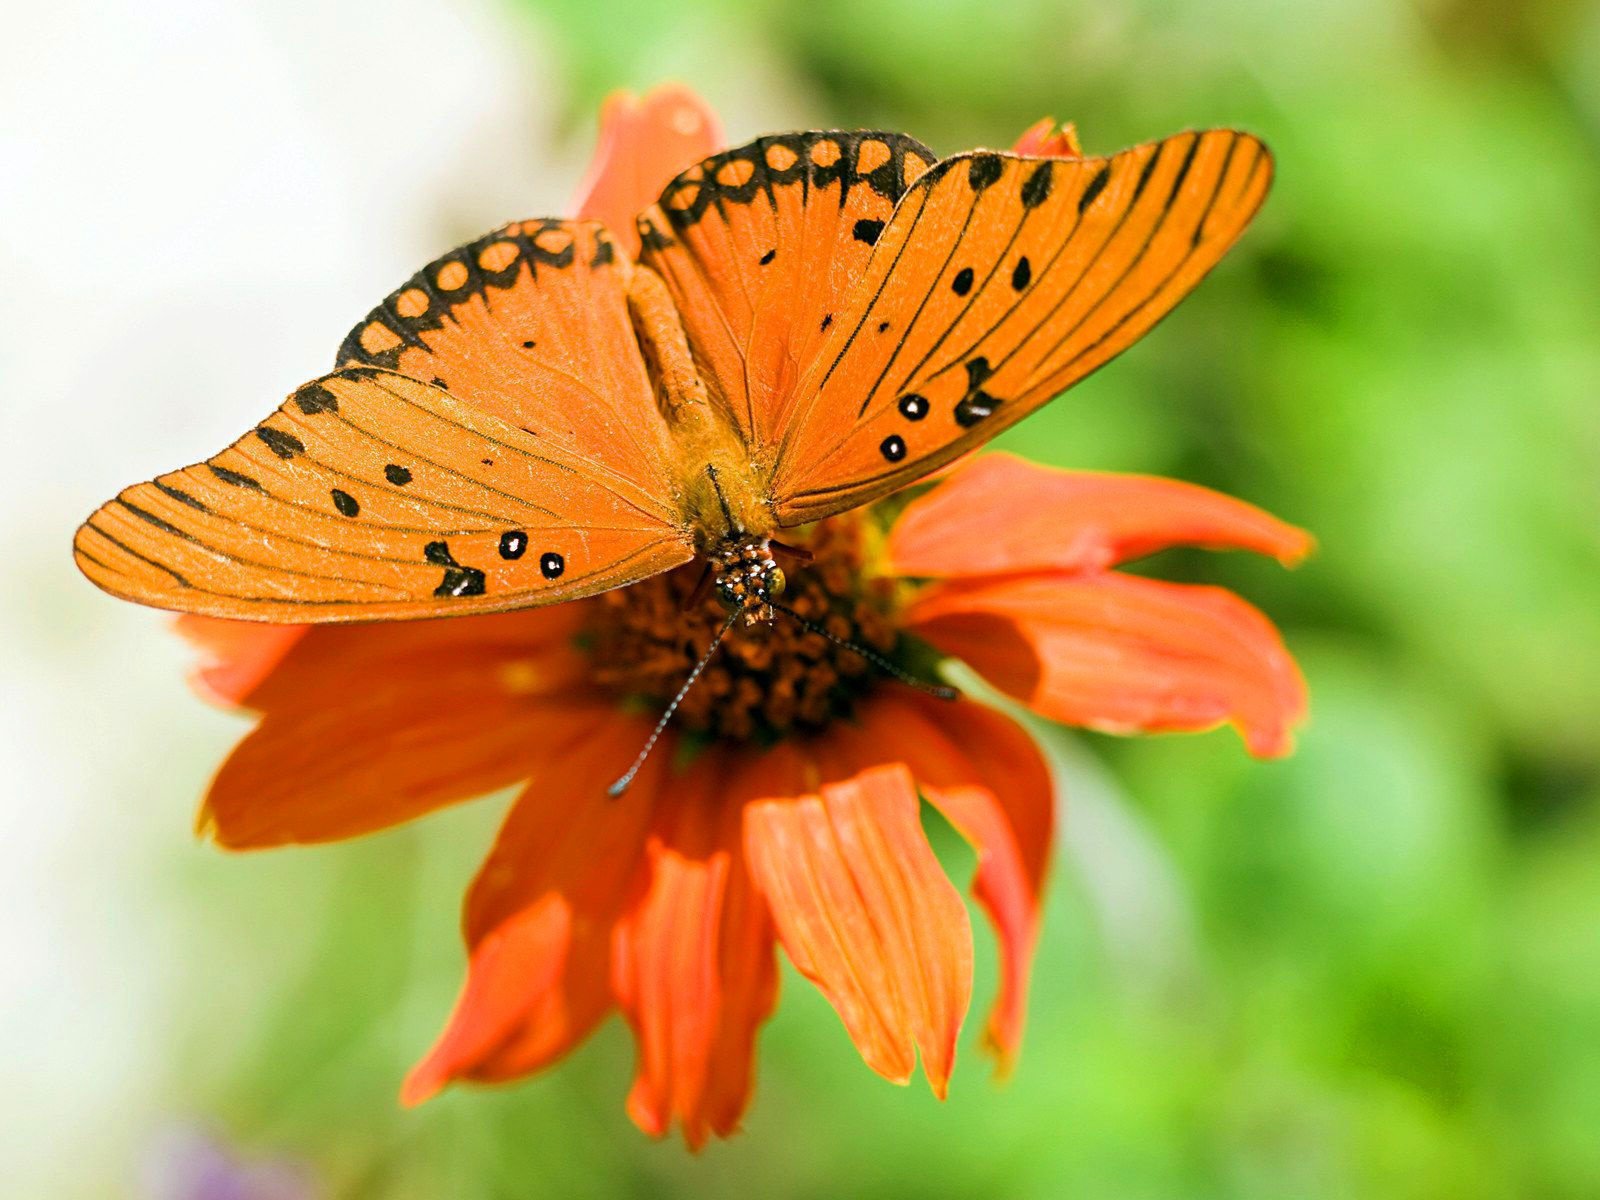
[1000,281]
[759,247]
[372,495]
[531,323]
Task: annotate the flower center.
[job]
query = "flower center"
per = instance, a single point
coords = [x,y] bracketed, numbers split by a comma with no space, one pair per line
[769,678]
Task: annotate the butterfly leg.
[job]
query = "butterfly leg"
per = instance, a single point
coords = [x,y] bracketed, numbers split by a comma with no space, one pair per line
[801,556]
[702,589]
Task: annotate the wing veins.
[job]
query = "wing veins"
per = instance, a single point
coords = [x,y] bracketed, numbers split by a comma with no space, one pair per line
[225,556]
[977,294]
[1067,296]
[1155,229]
[938,277]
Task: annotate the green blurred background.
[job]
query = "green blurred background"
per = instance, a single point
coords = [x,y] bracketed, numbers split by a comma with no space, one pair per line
[1371,970]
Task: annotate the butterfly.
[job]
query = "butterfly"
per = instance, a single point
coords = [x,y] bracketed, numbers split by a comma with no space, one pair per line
[814,320]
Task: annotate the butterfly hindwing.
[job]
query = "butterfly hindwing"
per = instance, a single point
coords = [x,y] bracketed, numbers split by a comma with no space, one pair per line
[372,495]
[999,282]
[759,245]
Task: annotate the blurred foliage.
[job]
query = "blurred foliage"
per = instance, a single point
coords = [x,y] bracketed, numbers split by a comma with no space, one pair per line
[1379,977]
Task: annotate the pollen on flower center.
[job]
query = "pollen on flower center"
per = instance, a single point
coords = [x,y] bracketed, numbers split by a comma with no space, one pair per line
[766,679]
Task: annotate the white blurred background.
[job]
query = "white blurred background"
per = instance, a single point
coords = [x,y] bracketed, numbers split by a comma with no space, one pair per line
[197,199]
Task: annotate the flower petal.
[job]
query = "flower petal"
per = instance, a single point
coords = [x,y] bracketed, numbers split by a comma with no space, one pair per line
[1045,139]
[1122,654]
[985,774]
[865,912]
[999,514]
[644,143]
[540,916]
[235,656]
[695,970]
[367,726]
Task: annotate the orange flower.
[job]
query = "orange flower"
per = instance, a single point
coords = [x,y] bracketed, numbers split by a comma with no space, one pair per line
[782,807]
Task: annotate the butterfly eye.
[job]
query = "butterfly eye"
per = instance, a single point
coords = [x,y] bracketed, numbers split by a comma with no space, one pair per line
[775,582]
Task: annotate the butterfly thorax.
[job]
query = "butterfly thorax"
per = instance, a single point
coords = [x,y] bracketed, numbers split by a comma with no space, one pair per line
[723,494]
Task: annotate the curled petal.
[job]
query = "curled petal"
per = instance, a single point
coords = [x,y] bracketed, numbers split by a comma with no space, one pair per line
[644,142]
[1045,139]
[1122,654]
[865,912]
[560,996]
[235,656]
[998,514]
[694,968]
[984,773]
[541,913]
[363,732]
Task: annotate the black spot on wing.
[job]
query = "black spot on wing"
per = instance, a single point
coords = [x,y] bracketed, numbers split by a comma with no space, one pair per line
[974,408]
[397,475]
[1021,274]
[983,170]
[284,445]
[235,479]
[513,543]
[1096,186]
[551,564]
[182,497]
[461,581]
[458,580]
[977,404]
[149,517]
[962,283]
[313,398]
[1183,169]
[913,407]
[1036,188]
[867,231]
[893,448]
[768,257]
[1149,170]
[345,503]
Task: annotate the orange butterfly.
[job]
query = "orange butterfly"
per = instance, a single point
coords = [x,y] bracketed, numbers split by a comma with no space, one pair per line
[814,320]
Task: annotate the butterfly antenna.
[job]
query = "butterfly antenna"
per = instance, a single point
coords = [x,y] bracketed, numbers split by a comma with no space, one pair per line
[872,656]
[621,785]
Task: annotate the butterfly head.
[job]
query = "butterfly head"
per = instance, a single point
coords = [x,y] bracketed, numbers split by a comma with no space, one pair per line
[748,578]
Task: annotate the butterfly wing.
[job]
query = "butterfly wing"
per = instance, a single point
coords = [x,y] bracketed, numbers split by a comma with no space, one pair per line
[530,323]
[373,495]
[999,282]
[759,246]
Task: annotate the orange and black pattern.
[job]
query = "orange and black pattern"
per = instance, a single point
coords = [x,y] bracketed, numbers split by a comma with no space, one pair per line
[1001,281]
[531,323]
[371,495]
[760,246]
[855,313]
